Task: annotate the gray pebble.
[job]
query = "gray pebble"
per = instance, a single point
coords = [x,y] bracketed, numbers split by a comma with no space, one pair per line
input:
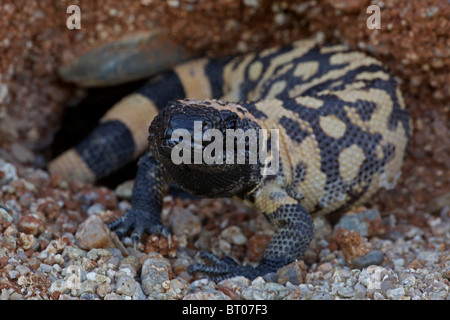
[89,296]
[95,254]
[207,295]
[13,274]
[113,296]
[155,270]
[358,221]
[59,285]
[176,288]
[95,209]
[124,190]
[294,273]
[322,296]
[360,291]
[374,257]
[385,286]
[9,173]
[346,292]
[234,235]
[132,263]
[5,216]
[265,291]
[15,296]
[87,286]
[45,268]
[184,222]
[378,296]
[396,293]
[126,285]
[98,278]
[103,289]
[138,293]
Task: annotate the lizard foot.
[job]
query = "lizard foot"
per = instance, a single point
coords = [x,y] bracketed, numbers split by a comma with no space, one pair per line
[218,269]
[137,221]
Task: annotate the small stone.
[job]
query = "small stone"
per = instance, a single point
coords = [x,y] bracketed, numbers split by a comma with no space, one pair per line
[155,270]
[74,252]
[360,291]
[203,284]
[13,274]
[429,256]
[4,294]
[256,246]
[367,223]
[103,289]
[378,296]
[55,246]
[294,272]
[234,235]
[8,173]
[131,262]
[176,288]
[234,286]
[251,3]
[26,241]
[31,224]
[126,285]
[435,205]
[352,244]
[348,5]
[15,296]
[45,268]
[385,286]
[325,267]
[95,209]
[87,286]
[95,254]
[395,294]
[93,233]
[139,294]
[5,216]
[98,278]
[59,286]
[260,290]
[374,257]
[124,190]
[322,296]
[346,292]
[88,296]
[208,295]
[113,296]
[66,297]
[21,153]
[371,276]
[184,222]
[271,277]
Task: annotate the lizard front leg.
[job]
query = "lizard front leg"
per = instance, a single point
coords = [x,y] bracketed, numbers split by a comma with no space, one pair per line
[146,201]
[294,229]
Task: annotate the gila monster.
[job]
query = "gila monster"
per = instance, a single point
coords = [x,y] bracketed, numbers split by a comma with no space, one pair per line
[343,133]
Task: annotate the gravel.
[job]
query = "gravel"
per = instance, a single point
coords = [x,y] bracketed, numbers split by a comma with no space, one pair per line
[52,246]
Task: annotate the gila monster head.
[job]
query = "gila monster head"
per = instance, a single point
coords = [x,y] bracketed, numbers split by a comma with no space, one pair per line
[207,147]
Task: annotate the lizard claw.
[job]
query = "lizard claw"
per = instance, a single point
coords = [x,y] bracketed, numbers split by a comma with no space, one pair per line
[137,222]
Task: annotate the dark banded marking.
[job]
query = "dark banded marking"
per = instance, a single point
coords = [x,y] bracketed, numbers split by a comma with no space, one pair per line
[163,88]
[109,147]
[214,72]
